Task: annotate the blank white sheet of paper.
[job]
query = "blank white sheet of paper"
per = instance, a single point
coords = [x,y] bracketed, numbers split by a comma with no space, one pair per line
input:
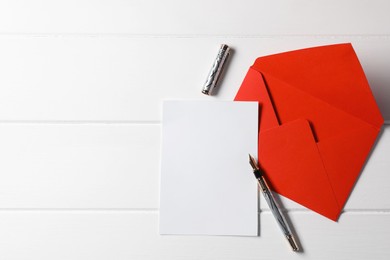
[207,184]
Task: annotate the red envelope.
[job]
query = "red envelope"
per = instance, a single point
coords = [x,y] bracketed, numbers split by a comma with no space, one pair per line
[318,123]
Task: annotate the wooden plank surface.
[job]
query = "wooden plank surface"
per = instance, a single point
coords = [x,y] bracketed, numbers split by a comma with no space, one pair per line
[117,166]
[127,235]
[81,86]
[79,166]
[216,17]
[126,78]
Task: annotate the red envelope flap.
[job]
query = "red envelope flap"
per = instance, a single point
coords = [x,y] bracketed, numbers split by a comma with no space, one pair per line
[331,73]
[290,159]
[291,103]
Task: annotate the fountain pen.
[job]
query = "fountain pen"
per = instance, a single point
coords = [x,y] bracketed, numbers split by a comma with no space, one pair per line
[272,204]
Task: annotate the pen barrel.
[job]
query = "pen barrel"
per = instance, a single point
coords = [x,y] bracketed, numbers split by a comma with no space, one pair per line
[216,70]
[273,205]
[275,209]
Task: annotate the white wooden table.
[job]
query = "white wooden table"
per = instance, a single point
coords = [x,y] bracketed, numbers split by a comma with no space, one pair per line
[81,85]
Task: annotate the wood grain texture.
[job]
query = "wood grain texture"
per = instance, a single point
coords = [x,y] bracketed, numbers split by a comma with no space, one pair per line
[125,78]
[216,17]
[101,235]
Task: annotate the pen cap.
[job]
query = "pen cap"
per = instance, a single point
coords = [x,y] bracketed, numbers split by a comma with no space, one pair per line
[216,70]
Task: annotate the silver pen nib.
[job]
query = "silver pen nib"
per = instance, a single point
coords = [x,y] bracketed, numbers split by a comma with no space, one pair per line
[253,163]
[255,166]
